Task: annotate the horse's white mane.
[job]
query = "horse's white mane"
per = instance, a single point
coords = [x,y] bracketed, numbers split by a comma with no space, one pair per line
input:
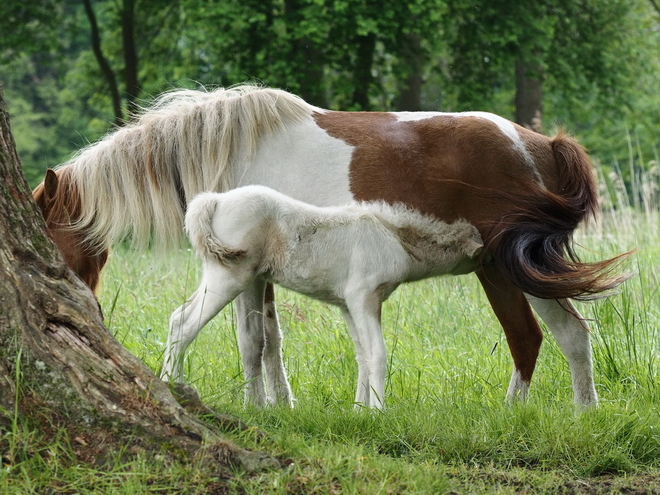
[132,182]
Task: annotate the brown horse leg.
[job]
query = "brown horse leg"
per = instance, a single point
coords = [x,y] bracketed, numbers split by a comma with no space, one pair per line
[522,331]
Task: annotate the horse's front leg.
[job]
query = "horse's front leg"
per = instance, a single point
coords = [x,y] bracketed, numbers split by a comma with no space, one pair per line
[572,334]
[279,390]
[251,340]
[522,331]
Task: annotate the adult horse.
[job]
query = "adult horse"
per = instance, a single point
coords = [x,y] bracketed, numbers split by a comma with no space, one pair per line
[526,194]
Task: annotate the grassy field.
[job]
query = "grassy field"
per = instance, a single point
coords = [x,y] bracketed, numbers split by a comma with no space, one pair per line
[446,428]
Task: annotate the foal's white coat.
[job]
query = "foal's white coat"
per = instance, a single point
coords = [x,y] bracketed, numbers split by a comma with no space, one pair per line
[351,256]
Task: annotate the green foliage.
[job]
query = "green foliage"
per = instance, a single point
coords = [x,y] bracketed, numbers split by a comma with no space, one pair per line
[599,61]
[29,27]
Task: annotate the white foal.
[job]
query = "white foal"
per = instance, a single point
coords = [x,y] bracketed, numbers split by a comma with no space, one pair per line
[351,256]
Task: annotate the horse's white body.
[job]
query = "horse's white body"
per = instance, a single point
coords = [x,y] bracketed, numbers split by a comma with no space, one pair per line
[352,256]
[189,143]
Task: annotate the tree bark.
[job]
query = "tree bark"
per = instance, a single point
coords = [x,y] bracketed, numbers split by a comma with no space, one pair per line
[61,369]
[106,70]
[529,95]
[130,55]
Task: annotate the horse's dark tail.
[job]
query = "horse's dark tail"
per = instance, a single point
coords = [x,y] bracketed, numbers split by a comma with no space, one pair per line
[535,242]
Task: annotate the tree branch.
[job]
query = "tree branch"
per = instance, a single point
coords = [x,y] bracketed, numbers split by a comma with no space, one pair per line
[106,70]
[656,6]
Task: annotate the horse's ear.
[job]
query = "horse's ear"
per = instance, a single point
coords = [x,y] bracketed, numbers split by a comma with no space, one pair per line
[50,184]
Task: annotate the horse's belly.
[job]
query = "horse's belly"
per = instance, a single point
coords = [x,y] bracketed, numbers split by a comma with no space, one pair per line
[315,287]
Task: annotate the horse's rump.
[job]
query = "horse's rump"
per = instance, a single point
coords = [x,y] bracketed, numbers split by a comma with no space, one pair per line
[526,193]
[534,243]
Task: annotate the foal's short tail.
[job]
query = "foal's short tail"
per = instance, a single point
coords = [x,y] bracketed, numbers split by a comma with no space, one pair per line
[535,247]
[199,227]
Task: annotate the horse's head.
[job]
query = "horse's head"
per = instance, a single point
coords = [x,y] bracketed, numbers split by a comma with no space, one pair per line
[59,201]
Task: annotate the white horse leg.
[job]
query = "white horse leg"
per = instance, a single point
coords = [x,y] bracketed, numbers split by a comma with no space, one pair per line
[370,347]
[251,340]
[362,392]
[217,289]
[572,334]
[279,390]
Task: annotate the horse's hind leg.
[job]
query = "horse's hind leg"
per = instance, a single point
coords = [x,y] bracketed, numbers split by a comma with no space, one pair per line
[279,391]
[522,331]
[571,332]
[260,343]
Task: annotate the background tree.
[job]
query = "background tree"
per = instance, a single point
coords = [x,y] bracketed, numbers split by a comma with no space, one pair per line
[497,43]
[62,371]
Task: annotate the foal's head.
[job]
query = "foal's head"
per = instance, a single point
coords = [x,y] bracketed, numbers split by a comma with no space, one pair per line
[59,202]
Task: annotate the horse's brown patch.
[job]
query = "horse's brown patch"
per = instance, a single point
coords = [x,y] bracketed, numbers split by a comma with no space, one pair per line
[444,166]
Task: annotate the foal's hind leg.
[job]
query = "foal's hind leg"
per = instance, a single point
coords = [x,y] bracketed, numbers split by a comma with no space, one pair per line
[523,334]
[572,334]
[279,391]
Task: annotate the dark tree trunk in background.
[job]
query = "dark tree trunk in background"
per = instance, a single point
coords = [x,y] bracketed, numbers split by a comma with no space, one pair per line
[529,95]
[410,88]
[308,57]
[130,55]
[311,79]
[106,70]
[363,78]
[60,368]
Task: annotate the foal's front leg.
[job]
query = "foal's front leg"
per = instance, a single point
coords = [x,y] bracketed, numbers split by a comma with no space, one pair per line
[363,320]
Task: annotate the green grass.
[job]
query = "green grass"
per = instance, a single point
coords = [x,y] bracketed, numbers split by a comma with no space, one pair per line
[446,427]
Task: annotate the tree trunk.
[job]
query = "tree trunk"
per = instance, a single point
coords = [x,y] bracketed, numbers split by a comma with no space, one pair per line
[106,70]
[529,95]
[130,55]
[306,57]
[363,78]
[410,86]
[60,368]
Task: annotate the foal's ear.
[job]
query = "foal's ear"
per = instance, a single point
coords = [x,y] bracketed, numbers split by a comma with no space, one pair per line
[50,184]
